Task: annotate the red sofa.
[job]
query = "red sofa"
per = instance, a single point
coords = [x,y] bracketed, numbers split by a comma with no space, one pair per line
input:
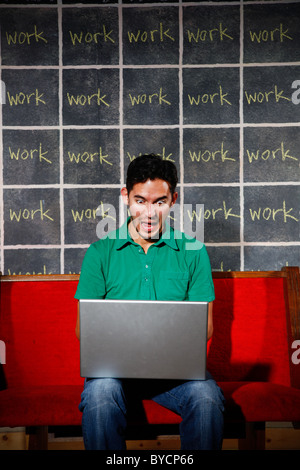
[256,323]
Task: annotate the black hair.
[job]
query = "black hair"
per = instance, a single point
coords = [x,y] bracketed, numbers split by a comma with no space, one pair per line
[151,167]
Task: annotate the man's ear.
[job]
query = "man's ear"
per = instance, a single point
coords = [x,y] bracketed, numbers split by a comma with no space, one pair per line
[174,198]
[124,194]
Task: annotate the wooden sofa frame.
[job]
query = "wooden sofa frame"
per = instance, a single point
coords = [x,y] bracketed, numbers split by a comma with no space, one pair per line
[251,434]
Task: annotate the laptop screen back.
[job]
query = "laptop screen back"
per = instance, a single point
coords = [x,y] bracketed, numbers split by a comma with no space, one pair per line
[143,339]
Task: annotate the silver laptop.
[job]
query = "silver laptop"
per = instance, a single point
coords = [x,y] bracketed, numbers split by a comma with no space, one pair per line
[143,339]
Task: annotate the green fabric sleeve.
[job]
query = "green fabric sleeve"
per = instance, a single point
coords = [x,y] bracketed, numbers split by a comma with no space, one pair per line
[91,282]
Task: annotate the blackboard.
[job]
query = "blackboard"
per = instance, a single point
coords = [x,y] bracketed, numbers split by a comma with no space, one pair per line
[87,87]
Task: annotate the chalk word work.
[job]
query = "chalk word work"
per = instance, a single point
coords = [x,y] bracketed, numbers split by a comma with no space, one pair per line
[88,38]
[103,210]
[86,157]
[210,155]
[30,214]
[209,35]
[200,214]
[25,37]
[27,273]
[26,98]
[164,154]
[153,98]
[160,34]
[83,100]
[265,35]
[268,213]
[279,153]
[30,154]
[209,98]
[266,96]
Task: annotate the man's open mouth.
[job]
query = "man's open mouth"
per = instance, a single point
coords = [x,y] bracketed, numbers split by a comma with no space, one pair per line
[149,226]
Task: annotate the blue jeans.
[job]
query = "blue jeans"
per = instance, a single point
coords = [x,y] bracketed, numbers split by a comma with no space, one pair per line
[105,403]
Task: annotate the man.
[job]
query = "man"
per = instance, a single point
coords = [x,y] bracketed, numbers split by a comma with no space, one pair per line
[147,259]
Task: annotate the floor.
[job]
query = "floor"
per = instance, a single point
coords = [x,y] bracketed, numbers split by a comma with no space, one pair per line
[279,436]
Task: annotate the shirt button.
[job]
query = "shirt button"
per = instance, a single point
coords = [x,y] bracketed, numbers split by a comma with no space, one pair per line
[146,266]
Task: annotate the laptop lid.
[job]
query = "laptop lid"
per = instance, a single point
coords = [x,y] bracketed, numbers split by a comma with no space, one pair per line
[143,339]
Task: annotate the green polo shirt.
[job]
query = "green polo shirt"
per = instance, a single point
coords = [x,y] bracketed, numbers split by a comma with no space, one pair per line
[176,267]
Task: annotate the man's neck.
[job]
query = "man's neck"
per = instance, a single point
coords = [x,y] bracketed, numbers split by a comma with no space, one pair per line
[144,243]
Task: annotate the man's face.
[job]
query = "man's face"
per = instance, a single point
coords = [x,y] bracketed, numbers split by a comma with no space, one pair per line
[149,205]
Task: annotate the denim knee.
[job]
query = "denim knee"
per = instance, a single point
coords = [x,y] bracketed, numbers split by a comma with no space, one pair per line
[206,390]
[100,392]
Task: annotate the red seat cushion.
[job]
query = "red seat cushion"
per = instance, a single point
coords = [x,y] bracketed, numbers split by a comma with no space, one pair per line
[41,406]
[249,401]
[263,401]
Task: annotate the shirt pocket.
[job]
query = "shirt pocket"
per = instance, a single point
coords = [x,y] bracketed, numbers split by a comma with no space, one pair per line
[172,285]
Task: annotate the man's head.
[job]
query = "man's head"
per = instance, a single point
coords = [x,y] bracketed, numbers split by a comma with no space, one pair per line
[149,193]
[151,167]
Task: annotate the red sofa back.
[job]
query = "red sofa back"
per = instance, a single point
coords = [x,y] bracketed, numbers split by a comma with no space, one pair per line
[37,324]
[38,316]
[250,340]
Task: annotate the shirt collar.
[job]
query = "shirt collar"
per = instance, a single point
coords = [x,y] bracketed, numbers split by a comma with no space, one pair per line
[167,238]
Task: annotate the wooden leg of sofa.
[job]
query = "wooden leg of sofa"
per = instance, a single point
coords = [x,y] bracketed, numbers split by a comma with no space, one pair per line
[39,439]
[255,437]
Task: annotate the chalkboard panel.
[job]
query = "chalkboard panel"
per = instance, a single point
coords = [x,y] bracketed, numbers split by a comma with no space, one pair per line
[211,35]
[31,98]
[90,36]
[73,258]
[211,155]
[268,94]
[31,216]
[148,1]
[272,213]
[85,208]
[100,2]
[211,96]
[221,212]
[32,261]
[29,37]
[31,156]
[91,97]
[28,2]
[87,86]
[150,36]
[164,142]
[151,96]
[91,156]
[270,155]
[272,33]
[268,258]
[224,258]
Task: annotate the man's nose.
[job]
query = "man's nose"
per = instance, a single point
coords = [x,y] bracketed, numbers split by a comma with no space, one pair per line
[151,210]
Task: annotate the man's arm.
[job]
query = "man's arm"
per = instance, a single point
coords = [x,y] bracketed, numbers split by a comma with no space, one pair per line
[210,321]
